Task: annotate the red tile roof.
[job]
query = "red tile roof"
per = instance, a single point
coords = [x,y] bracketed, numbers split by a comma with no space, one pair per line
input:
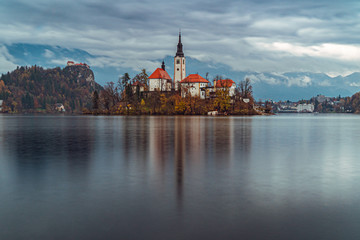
[160,74]
[194,78]
[224,83]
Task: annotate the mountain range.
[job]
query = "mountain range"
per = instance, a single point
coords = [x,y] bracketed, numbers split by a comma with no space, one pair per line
[291,86]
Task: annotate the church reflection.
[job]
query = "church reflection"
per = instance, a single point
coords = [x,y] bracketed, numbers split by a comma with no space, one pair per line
[179,158]
[151,150]
[134,138]
[197,143]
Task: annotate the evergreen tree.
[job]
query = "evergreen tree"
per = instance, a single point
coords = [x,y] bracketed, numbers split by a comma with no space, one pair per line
[95,100]
[122,82]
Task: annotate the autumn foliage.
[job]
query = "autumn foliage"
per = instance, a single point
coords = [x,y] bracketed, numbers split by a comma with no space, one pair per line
[34,89]
[124,98]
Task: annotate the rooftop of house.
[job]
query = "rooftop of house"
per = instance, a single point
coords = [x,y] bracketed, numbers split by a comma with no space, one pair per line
[160,74]
[223,83]
[194,78]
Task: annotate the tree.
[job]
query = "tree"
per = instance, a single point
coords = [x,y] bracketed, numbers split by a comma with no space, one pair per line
[109,96]
[268,107]
[122,82]
[2,85]
[95,100]
[142,77]
[245,88]
[222,100]
[27,101]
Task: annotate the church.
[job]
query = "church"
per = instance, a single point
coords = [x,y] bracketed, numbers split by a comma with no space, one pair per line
[192,85]
[160,80]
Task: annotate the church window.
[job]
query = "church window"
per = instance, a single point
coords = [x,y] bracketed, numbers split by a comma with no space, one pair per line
[178,69]
[178,61]
[183,61]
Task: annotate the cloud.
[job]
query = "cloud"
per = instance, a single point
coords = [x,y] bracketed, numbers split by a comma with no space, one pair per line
[326,50]
[6,60]
[325,83]
[280,79]
[270,36]
[355,84]
[262,78]
[48,54]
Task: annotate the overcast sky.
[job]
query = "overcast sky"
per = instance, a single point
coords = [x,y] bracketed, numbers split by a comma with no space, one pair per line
[259,35]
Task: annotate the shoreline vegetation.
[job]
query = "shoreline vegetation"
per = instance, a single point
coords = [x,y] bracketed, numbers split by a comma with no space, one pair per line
[73,90]
[130,97]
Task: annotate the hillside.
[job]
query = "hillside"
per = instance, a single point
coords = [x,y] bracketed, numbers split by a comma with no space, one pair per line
[35,89]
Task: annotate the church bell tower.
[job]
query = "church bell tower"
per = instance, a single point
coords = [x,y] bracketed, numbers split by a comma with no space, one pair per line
[179,65]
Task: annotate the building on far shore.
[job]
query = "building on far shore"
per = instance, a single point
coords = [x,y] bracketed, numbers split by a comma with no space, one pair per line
[305,107]
[72,63]
[160,80]
[59,107]
[321,98]
[194,85]
[225,84]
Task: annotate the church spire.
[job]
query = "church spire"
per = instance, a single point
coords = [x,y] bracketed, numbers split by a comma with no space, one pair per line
[163,65]
[179,52]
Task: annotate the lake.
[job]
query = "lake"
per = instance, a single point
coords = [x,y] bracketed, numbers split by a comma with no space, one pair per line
[86,177]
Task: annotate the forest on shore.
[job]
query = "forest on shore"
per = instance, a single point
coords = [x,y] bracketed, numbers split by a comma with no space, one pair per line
[38,90]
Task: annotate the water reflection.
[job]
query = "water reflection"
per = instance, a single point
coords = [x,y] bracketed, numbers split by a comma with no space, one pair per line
[40,148]
[179,177]
[193,143]
[179,158]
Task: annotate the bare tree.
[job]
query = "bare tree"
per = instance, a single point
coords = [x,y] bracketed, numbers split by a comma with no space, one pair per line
[110,95]
[142,77]
[245,88]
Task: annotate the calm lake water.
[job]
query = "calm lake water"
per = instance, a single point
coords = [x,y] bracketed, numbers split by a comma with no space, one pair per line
[279,177]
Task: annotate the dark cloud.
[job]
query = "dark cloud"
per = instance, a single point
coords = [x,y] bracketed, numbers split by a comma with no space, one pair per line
[256,35]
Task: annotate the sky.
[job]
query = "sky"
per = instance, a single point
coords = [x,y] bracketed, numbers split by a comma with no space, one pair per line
[259,35]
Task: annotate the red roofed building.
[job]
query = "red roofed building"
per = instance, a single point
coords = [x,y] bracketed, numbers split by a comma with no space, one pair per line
[195,85]
[71,63]
[160,80]
[225,84]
